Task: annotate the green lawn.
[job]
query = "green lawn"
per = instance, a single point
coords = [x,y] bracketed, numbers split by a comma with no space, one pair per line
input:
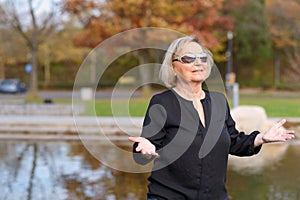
[275,105]
[103,107]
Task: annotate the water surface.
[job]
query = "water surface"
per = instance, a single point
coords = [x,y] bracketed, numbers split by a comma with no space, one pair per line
[66,170]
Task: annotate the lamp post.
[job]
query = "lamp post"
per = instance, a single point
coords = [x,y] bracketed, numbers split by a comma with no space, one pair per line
[231,86]
[228,76]
[229,51]
[277,71]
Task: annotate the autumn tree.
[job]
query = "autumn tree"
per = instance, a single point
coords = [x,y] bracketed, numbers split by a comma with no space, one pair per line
[251,40]
[103,19]
[2,75]
[59,48]
[35,24]
[283,18]
[13,50]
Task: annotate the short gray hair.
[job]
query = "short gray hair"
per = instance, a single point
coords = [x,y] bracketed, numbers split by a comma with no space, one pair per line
[166,73]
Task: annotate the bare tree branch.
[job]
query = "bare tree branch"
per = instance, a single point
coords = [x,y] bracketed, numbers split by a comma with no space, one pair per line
[39,28]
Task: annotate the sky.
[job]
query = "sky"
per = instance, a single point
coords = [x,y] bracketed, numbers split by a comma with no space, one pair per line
[41,8]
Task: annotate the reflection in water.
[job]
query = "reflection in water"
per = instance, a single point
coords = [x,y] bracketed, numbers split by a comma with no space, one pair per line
[62,171]
[57,170]
[269,155]
[279,181]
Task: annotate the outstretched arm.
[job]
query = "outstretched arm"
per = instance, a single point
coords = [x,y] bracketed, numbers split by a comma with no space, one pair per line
[274,134]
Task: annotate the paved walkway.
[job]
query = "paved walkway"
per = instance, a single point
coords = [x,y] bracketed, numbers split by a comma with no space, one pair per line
[71,128]
[68,127]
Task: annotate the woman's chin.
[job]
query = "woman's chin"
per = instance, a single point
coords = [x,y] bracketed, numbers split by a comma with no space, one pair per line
[198,78]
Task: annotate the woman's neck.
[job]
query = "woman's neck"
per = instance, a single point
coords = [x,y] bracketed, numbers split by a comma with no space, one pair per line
[190,91]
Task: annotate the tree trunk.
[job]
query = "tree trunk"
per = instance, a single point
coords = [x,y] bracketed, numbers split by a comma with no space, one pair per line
[33,85]
[145,74]
[93,70]
[32,172]
[47,72]
[2,70]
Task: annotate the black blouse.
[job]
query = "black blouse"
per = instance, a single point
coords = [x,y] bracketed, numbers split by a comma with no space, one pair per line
[193,158]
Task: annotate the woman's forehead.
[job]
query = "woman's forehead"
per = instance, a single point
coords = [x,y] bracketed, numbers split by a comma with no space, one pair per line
[191,47]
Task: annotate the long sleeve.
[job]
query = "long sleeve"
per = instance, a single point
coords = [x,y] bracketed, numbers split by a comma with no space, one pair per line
[242,144]
[153,128]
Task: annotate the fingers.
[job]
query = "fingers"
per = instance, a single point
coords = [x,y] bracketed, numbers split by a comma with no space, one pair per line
[150,156]
[280,123]
[151,153]
[278,133]
[146,150]
[136,139]
[144,146]
[285,138]
[289,134]
[286,134]
[139,148]
[132,139]
[147,153]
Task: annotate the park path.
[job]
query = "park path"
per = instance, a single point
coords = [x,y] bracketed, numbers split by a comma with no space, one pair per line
[16,127]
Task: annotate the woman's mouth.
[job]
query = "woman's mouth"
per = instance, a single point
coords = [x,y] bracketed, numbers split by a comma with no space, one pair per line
[197,70]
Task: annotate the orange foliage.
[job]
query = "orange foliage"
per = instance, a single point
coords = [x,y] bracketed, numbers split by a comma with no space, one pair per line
[203,18]
[283,18]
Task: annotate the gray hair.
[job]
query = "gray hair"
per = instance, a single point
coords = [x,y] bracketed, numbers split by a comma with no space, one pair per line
[166,73]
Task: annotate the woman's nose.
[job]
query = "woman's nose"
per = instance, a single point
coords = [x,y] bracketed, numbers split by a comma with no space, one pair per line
[197,61]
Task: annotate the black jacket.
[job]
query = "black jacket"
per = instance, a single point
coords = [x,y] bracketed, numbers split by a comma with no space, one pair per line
[193,158]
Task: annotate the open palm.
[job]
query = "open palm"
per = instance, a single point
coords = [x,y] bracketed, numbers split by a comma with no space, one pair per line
[278,134]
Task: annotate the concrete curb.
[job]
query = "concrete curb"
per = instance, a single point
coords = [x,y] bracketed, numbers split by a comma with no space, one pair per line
[17,127]
[68,127]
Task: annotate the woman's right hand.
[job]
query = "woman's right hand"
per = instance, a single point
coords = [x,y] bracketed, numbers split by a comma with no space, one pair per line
[146,148]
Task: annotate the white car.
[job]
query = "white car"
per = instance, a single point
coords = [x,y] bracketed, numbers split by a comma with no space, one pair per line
[12,86]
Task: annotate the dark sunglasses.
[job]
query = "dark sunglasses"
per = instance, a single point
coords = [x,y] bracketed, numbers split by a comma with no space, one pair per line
[191,58]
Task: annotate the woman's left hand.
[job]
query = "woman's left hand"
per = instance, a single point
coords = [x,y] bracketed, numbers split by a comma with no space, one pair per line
[275,134]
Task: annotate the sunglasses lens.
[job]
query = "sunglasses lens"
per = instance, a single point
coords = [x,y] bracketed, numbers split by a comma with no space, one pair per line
[188,59]
[203,59]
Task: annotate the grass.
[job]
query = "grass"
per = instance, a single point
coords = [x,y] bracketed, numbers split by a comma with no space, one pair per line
[136,107]
[276,105]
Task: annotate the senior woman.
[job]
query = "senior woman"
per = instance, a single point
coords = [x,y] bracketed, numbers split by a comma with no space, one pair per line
[188,131]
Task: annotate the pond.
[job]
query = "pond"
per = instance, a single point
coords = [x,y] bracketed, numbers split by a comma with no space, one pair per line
[66,170]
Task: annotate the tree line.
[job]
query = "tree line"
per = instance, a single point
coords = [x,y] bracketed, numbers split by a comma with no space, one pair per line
[55,41]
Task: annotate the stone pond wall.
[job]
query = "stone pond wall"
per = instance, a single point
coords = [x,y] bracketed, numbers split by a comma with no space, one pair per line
[41,109]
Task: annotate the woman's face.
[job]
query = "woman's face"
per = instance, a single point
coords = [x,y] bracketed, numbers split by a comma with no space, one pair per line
[194,72]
